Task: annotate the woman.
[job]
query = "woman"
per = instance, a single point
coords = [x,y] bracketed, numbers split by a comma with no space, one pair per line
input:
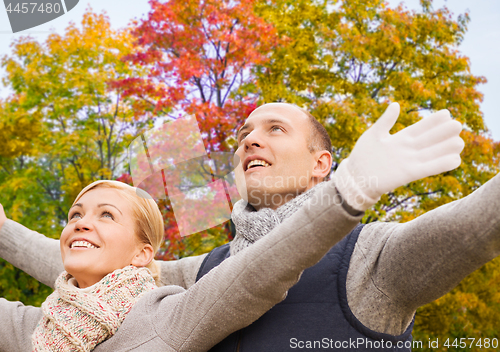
[107,300]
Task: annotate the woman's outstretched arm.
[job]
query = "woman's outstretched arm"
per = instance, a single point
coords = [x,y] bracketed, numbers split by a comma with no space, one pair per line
[245,286]
[40,256]
[30,251]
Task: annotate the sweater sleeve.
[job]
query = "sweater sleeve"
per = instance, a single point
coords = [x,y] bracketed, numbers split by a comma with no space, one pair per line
[180,272]
[245,286]
[34,253]
[17,324]
[396,268]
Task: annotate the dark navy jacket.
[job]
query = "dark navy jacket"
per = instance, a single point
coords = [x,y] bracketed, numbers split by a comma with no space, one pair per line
[314,316]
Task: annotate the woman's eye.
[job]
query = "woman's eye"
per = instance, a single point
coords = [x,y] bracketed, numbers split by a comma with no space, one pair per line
[75,215]
[108,215]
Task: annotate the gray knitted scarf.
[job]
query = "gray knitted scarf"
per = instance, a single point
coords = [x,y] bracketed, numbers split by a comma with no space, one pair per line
[251,225]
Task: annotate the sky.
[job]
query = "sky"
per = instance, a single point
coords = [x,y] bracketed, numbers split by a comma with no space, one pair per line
[481,44]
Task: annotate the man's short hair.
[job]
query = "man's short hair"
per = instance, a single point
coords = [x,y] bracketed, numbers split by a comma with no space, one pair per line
[318,136]
[318,139]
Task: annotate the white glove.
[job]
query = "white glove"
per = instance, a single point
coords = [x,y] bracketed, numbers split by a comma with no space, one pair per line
[381,162]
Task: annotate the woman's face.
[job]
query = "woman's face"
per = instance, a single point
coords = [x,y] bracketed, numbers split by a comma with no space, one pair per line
[99,237]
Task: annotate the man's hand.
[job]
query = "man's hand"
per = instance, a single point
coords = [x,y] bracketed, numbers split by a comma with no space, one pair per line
[3,217]
[381,162]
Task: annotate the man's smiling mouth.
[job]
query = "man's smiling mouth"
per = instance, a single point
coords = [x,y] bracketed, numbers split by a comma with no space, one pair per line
[257,163]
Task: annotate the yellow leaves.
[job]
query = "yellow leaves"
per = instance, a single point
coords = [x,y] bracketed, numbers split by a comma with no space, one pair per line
[17,131]
[346,127]
[471,309]
[479,149]
[366,54]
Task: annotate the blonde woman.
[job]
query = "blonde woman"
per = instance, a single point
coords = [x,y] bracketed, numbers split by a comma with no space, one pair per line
[107,299]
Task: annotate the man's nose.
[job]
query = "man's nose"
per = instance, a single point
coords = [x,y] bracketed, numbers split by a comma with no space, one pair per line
[253,139]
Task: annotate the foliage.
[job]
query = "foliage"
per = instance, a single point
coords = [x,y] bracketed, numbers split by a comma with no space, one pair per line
[199,55]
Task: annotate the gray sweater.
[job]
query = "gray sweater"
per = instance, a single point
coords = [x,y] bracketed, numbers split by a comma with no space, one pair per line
[227,299]
[394,269]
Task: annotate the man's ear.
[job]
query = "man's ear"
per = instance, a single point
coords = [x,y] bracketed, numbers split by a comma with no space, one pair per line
[323,164]
[144,256]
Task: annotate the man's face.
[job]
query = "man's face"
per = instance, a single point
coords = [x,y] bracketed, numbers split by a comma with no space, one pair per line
[275,162]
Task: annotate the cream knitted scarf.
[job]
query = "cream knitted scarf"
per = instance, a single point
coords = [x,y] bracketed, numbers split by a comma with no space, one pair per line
[251,225]
[77,320]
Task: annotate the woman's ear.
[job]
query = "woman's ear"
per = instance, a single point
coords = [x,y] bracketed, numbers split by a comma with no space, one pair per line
[144,255]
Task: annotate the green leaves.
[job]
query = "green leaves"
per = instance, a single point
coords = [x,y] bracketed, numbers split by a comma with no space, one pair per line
[26,290]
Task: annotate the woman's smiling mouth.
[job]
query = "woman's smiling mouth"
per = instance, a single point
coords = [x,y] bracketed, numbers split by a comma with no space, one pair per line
[82,244]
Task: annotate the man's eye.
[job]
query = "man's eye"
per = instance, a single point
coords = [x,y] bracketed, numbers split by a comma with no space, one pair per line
[108,215]
[276,128]
[242,136]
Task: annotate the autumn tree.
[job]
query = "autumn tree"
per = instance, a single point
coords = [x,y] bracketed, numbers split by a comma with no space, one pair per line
[62,127]
[199,54]
[346,60]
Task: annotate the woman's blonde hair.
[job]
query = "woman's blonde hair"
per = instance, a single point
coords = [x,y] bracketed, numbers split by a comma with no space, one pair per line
[149,225]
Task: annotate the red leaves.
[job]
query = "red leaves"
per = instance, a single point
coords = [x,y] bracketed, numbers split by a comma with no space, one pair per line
[199,53]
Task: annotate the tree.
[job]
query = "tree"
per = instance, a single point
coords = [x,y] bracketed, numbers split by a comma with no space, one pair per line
[62,128]
[346,60]
[199,55]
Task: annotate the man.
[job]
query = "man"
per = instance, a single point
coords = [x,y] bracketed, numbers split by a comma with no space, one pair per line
[363,294]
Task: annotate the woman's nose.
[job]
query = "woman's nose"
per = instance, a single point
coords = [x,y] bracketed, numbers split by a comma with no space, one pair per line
[83,225]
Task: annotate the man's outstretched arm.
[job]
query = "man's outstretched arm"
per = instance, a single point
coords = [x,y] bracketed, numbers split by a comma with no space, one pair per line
[396,268]
[40,256]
